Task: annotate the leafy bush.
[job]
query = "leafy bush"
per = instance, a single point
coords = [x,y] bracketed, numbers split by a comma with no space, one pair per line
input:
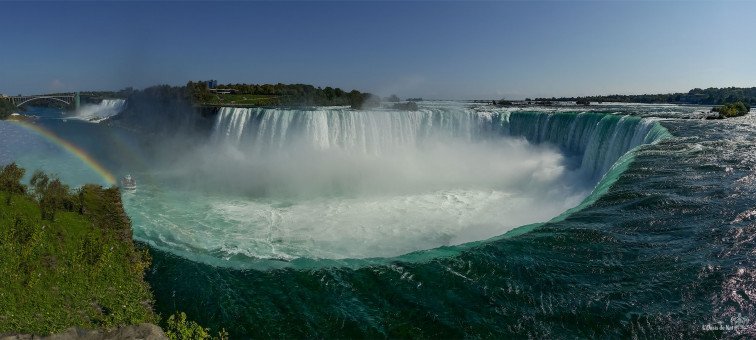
[732,109]
[178,328]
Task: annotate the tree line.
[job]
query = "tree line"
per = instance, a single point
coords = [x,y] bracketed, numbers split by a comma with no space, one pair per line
[290,94]
[709,96]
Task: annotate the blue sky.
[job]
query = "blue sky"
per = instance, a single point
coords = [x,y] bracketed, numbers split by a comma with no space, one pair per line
[439,50]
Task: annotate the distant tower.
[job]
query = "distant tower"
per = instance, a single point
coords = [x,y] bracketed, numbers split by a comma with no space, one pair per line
[77,100]
[211,84]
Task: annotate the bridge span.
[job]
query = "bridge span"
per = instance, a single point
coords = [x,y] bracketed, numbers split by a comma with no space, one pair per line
[68,98]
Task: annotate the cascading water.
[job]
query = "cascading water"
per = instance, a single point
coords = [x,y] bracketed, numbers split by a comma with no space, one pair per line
[660,248]
[334,183]
[598,140]
[98,112]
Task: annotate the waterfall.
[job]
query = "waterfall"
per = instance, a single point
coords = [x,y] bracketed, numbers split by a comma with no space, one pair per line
[595,140]
[98,112]
[334,183]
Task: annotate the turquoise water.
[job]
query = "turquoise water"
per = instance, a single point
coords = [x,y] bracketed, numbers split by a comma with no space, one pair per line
[277,188]
[657,243]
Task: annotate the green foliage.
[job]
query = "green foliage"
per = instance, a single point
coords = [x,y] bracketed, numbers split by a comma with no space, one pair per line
[52,195]
[6,108]
[199,92]
[39,182]
[161,110]
[22,231]
[243,99]
[96,97]
[281,95]
[10,181]
[408,106]
[178,328]
[583,101]
[80,269]
[710,96]
[732,109]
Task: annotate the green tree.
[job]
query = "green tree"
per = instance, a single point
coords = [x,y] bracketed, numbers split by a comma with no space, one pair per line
[52,195]
[199,91]
[6,108]
[10,181]
[55,196]
[39,182]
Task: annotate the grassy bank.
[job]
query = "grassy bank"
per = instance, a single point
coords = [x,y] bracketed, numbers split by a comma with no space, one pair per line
[68,259]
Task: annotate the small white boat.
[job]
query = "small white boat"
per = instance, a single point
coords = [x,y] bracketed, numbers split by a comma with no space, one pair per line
[128,183]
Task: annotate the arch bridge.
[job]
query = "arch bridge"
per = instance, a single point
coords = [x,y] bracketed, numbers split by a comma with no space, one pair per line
[68,98]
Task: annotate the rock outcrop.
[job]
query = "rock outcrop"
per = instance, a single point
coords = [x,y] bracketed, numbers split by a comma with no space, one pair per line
[142,331]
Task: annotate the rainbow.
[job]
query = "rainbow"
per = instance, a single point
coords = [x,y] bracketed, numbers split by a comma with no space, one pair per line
[73,149]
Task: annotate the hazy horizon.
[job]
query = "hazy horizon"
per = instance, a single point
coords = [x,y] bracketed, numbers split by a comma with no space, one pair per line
[448,50]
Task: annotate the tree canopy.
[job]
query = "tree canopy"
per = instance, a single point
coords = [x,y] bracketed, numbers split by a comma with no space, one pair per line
[289,95]
[710,96]
[732,109]
[6,108]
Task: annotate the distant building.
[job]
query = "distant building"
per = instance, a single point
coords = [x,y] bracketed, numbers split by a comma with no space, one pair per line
[223,91]
[211,84]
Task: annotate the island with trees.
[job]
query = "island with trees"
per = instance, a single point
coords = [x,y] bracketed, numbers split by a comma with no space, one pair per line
[731,110]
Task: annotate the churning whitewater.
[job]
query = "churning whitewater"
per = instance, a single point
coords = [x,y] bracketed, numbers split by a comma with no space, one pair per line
[98,112]
[335,183]
[666,228]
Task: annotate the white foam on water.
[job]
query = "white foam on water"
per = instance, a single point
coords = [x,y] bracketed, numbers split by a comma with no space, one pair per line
[98,112]
[334,183]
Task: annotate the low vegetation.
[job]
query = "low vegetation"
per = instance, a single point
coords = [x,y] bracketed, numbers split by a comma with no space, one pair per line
[179,328]
[732,109]
[68,260]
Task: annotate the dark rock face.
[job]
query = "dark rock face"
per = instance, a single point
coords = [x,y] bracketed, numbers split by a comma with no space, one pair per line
[142,331]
